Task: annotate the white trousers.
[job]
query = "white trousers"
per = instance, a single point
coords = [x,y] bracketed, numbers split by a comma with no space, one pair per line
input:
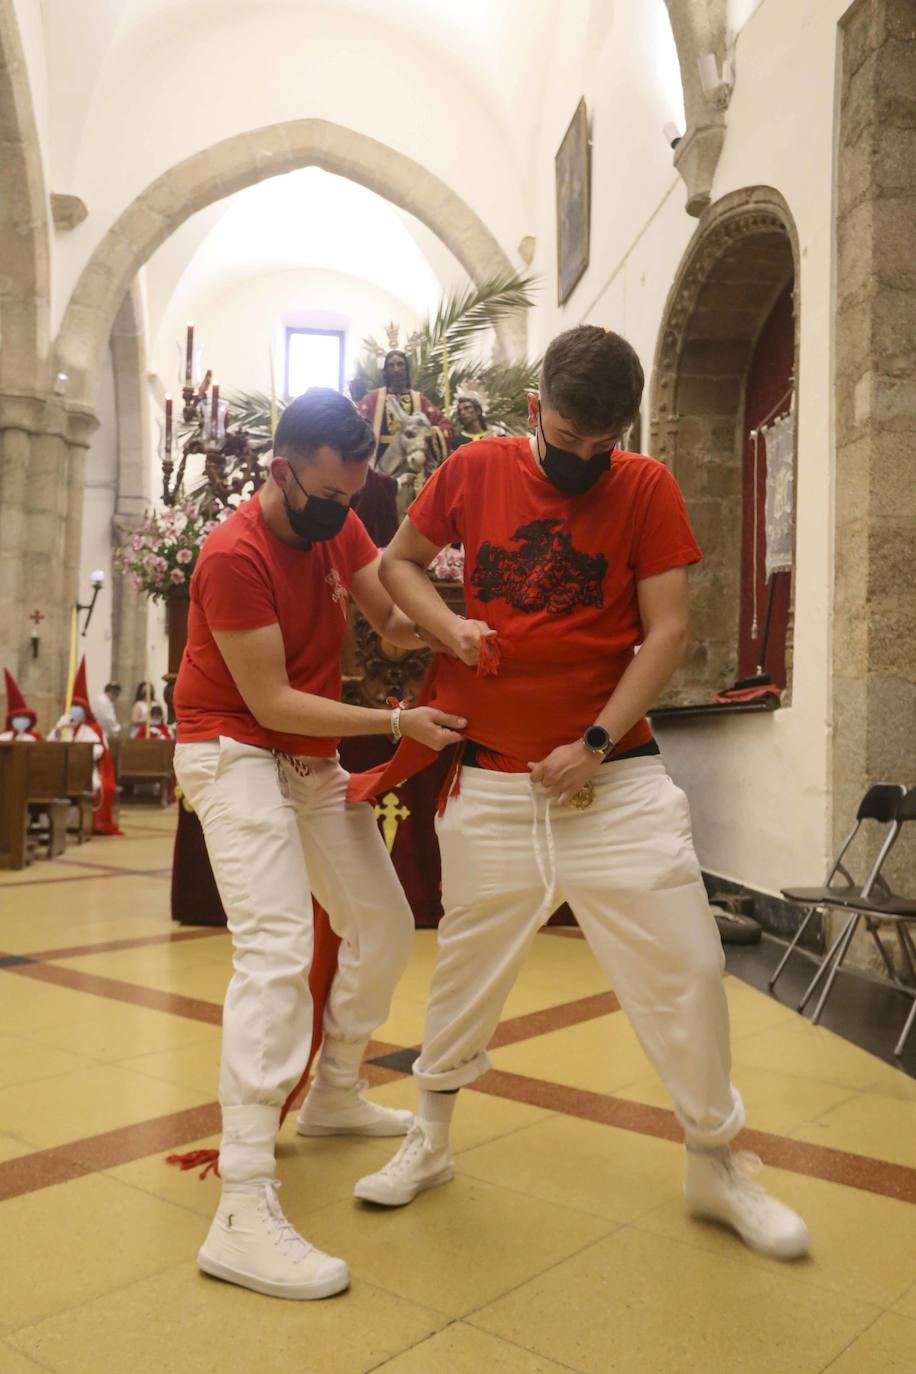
[627,868]
[276,832]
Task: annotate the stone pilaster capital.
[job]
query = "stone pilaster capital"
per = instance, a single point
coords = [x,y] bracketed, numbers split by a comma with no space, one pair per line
[81,422]
[22,410]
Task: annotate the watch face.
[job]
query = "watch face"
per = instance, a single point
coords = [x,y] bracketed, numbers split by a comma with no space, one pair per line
[596,737]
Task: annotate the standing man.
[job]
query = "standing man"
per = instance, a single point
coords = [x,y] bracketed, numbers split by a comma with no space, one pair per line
[381,407]
[105,709]
[575,555]
[259,721]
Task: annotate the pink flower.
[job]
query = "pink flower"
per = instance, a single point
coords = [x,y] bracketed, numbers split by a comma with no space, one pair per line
[184,556]
[150,562]
[177,576]
[138,542]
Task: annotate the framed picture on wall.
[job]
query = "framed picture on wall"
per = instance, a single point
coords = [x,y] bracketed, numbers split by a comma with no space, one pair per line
[573,172]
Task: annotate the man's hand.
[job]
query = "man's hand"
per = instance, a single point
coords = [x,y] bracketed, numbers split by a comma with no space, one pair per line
[565,771]
[435,729]
[465,639]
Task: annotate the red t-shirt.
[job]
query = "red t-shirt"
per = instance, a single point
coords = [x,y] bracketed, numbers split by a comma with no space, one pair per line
[245,578]
[556,577]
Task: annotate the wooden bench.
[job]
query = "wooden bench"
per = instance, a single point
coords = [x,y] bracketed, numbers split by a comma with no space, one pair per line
[143,761]
[49,804]
[14,804]
[40,782]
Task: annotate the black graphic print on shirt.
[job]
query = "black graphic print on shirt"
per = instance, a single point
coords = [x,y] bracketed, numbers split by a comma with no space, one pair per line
[545,573]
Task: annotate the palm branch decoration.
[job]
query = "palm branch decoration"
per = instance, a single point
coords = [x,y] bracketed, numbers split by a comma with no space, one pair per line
[457,333]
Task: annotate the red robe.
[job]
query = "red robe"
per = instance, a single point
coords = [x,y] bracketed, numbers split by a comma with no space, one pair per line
[372,408]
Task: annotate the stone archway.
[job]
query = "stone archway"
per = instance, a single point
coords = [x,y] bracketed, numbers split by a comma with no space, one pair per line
[230,166]
[742,257]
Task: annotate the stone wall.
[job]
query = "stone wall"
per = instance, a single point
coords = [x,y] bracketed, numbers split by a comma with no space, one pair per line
[874,611]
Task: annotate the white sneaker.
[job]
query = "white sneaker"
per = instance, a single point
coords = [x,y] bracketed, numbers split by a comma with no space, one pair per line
[342,1111]
[717,1186]
[423,1161]
[252,1244]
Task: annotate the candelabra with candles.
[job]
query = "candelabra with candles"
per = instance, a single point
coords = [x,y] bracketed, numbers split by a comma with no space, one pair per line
[232,466]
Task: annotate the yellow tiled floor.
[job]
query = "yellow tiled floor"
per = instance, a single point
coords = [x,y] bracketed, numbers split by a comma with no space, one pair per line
[562,1245]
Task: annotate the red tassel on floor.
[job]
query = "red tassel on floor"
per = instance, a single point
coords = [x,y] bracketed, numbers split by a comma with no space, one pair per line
[321,976]
[209,1159]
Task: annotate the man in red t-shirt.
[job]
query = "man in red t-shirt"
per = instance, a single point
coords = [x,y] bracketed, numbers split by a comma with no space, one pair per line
[576,557]
[259,721]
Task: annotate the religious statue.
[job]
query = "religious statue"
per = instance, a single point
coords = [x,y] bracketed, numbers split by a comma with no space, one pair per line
[386,406]
[472,422]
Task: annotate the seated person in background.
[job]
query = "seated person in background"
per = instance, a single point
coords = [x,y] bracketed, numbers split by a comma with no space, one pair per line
[472,423]
[138,712]
[79,725]
[105,709]
[20,719]
[155,727]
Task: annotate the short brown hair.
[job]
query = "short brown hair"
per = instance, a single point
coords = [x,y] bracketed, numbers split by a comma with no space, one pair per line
[593,378]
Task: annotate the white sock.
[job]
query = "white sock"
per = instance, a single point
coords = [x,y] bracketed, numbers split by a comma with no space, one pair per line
[437,1107]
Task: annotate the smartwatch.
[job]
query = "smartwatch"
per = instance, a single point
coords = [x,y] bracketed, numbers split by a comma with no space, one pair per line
[597,741]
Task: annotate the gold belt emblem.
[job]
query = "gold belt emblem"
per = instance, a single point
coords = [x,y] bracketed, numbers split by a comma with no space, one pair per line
[583,798]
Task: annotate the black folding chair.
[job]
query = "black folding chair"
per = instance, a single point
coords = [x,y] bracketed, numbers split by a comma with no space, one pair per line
[877,905]
[880,804]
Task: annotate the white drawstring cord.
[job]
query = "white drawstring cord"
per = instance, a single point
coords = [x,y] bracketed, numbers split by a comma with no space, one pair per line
[548,873]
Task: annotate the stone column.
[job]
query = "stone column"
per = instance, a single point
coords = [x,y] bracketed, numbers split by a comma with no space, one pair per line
[41,500]
[130,618]
[874,614]
[20,421]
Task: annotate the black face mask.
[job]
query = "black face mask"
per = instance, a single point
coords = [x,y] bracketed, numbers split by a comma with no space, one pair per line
[321,519]
[566,471]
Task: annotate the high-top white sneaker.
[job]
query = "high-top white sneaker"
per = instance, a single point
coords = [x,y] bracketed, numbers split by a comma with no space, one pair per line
[717,1186]
[252,1244]
[331,1110]
[423,1161]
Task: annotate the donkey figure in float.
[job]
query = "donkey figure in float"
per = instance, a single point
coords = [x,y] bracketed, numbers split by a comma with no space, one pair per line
[413,455]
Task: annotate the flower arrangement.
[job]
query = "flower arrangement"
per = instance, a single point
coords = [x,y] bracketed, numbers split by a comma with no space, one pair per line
[162,552]
[447,566]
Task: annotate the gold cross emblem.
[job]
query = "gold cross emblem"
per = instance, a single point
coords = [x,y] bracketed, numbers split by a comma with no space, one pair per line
[390,812]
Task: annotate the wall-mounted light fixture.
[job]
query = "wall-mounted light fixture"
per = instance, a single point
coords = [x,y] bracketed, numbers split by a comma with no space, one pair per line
[97,582]
[672,134]
[717,86]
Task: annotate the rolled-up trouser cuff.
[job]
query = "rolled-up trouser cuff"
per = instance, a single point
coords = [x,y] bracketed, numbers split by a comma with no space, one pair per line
[712,1138]
[246,1151]
[449,1079]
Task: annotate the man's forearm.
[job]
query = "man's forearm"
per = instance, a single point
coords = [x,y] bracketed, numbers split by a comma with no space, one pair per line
[301,713]
[643,682]
[410,588]
[399,629]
